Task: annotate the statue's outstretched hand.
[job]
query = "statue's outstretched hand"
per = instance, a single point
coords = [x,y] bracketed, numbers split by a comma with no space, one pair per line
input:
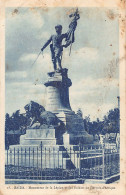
[67,44]
[63,46]
[42,49]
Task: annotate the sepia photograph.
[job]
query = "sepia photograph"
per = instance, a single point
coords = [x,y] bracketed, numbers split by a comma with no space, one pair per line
[62,95]
[63,104]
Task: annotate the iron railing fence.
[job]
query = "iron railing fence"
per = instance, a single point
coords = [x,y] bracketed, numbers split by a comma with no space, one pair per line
[46,163]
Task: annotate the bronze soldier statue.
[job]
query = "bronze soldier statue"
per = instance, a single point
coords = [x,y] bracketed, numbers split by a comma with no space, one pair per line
[56,46]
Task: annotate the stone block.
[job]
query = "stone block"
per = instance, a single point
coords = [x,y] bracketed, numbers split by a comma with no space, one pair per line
[36,136]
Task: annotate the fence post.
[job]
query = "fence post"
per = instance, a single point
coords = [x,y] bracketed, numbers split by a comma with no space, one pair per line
[14,156]
[7,157]
[58,157]
[37,157]
[45,158]
[41,159]
[53,157]
[103,162]
[49,160]
[29,163]
[18,160]
[79,160]
[25,157]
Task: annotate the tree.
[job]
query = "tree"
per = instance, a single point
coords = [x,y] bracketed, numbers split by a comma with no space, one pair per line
[7,122]
[79,113]
[111,122]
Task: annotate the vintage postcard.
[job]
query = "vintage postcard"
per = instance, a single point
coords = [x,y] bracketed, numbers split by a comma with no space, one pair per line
[62,83]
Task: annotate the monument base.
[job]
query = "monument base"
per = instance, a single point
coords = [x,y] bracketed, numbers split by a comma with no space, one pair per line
[36,136]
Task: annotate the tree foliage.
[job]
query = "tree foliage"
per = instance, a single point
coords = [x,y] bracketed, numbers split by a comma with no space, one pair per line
[109,124]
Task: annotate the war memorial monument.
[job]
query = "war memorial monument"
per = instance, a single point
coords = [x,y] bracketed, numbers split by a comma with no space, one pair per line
[56,146]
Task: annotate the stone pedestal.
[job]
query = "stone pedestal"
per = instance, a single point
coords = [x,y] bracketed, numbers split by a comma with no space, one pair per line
[57,92]
[36,136]
[57,95]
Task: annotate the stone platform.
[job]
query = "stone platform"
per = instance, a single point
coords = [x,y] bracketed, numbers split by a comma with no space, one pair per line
[36,136]
[57,93]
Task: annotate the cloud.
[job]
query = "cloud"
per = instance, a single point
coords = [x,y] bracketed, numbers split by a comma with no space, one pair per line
[25,88]
[37,72]
[21,93]
[96,83]
[82,62]
[84,53]
[27,57]
[16,75]
[44,35]
[16,85]
[90,86]
[87,53]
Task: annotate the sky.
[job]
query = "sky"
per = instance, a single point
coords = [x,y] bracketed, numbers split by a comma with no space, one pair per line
[92,65]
